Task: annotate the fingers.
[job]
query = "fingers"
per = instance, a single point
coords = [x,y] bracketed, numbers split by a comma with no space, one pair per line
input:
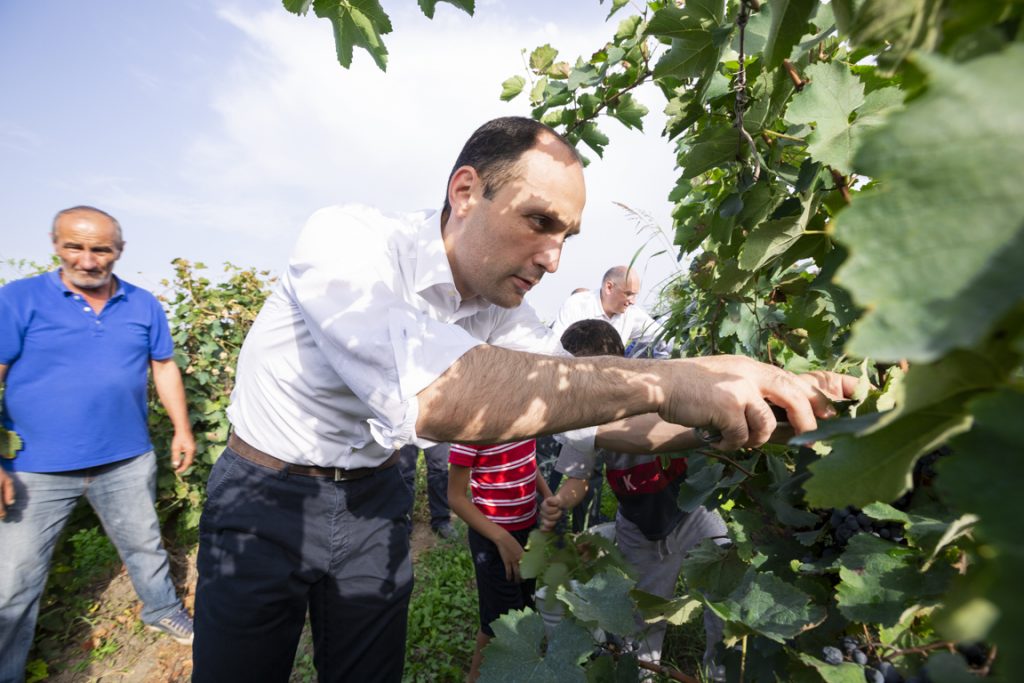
[550,513]
[6,493]
[183,452]
[800,399]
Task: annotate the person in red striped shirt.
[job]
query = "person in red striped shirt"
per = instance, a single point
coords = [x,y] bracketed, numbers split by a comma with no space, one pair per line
[494,490]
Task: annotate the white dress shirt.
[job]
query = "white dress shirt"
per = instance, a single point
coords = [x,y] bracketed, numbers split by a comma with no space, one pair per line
[633,325]
[365,317]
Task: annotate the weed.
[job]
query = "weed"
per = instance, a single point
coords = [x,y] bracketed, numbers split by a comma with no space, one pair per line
[442,614]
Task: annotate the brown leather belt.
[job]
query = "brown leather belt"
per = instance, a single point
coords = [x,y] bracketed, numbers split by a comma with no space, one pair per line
[255,455]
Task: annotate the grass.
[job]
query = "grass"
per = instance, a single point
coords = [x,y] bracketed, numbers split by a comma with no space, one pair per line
[443,613]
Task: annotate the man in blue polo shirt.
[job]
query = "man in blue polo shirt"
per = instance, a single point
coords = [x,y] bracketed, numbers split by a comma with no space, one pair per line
[75,347]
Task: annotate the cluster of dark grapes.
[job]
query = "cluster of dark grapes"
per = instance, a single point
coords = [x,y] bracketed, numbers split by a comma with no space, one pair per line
[881,671]
[846,522]
[850,649]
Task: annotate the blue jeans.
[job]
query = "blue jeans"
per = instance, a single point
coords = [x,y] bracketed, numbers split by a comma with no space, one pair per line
[274,545]
[437,479]
[122,494]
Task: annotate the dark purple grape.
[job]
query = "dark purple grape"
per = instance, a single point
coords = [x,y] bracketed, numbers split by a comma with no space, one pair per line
[849,644]
[975,653]
[832,655]
[859,657]
[873,675]
[889,673]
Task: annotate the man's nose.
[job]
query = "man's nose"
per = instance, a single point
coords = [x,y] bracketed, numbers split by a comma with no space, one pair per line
[88,261]
[548,258]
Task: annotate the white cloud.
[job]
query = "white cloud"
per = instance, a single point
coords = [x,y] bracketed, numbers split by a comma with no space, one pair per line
[296,131]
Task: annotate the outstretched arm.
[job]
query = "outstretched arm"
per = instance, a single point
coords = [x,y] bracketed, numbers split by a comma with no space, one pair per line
[493,395]
[171,392]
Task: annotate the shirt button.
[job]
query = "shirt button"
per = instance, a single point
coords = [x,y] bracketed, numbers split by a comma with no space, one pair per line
[86,308]
[78,298]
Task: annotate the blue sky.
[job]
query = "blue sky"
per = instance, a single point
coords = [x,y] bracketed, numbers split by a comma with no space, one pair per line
[212,130]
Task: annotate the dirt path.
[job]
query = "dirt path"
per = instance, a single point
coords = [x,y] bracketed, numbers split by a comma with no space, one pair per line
[114,646]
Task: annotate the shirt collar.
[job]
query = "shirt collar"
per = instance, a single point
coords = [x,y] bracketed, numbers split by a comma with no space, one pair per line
[55,278]
[434,279]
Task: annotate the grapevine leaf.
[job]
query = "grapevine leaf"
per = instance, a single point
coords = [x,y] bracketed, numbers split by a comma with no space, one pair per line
[948,667]
[594,138]
[711,147]
[775,237]
[767,605]
[542,57]
[535,559]
[950,159]
[671,22]
[984,477]
[515,654]
[712,570]
[789,24]
[879,580]
[428,6]
[843,673]
[621,669]
[630,112]
[616,6]
[10,443]
[604,601]
[512,87]
[877,466]
[297,6]
[834,97]
[583,76]
[675,611]
[358,23]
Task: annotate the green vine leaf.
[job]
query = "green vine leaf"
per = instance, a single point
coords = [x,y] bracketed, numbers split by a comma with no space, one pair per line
[843,673]
[789,24]
[10,443]
[511,87]
[428,6]
[983,477]
[951,159]
[880,579]
[515,652]
[835,103]
[604,601]
[765,604]
[877,465]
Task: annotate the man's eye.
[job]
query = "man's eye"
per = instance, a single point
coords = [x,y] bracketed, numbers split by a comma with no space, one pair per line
[540,221]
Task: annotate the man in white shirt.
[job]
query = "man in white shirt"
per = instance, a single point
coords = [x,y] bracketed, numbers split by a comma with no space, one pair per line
[615,303]
[391,329]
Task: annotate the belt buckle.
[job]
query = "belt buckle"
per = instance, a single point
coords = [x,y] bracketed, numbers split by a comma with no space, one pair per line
[342,474]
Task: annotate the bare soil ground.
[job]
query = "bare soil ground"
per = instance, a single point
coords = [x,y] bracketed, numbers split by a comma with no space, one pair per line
[113,646]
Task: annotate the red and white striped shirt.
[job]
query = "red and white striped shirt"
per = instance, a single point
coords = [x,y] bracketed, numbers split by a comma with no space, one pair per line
[503,480]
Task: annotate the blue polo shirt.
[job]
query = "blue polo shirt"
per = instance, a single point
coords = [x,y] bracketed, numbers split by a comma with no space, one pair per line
[76,382]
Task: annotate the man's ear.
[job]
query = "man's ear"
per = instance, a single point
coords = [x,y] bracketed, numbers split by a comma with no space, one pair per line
[462,189]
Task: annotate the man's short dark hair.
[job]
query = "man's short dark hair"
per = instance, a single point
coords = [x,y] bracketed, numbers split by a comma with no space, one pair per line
[495,147]
[592,338]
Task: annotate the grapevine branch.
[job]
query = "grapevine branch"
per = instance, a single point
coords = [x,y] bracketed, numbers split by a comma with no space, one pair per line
[741,88]
[726,459]
[668,671]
